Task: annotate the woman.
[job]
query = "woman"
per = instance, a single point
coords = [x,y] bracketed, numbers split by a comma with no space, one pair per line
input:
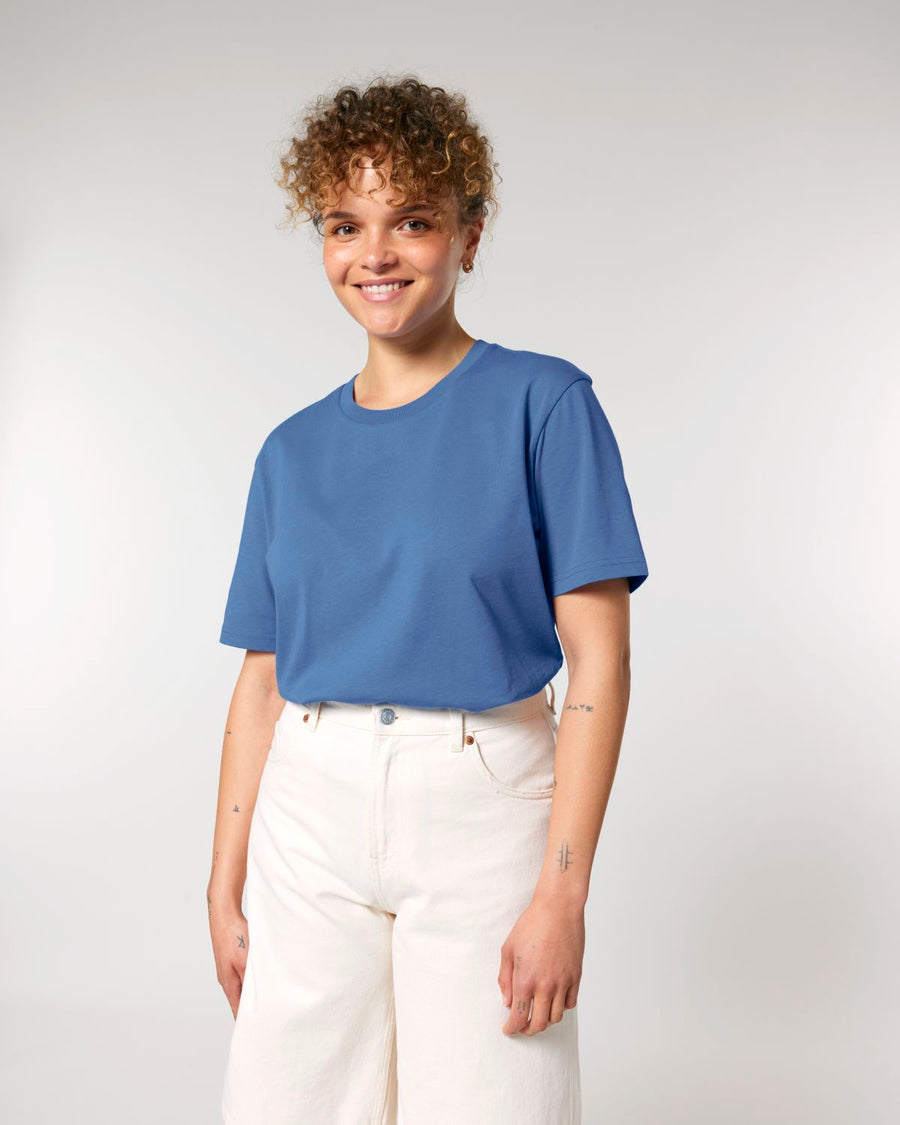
[422,829]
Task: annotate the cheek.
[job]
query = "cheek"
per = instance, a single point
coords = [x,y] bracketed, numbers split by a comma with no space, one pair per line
[433,259]
[437,282]
[336,263]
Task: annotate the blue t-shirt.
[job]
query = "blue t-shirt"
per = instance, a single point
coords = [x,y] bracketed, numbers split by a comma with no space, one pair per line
[410,555]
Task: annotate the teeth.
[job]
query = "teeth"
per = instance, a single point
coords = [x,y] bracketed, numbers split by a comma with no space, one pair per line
[383,288]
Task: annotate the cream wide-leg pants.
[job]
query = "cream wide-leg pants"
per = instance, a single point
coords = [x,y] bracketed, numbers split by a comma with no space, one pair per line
[391,851]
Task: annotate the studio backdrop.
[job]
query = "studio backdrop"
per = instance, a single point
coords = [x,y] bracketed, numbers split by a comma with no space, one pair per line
[699,208]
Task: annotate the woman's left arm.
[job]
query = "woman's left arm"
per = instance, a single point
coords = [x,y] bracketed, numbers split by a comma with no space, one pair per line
[542,957]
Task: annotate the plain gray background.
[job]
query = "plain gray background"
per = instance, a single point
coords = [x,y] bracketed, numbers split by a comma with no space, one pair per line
[699,208]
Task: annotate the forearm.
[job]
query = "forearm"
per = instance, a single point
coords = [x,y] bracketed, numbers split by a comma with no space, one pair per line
[589,737]
[255,708]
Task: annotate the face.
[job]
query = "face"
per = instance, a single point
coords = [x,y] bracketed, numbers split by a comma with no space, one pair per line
[368,242]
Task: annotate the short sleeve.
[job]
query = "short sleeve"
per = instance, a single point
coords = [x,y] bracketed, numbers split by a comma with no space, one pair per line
[250,607]
[587,526]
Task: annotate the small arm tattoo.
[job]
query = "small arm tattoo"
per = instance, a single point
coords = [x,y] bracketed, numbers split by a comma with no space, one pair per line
[565,856]
[236,809]
[578,707]
[241,944]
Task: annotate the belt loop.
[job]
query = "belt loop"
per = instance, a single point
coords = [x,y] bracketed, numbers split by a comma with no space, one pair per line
[456,728]
[552,696]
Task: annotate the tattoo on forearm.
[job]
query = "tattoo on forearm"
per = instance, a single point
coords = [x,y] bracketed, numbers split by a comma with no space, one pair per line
[565,856]
[236,809]
[578,707]
[241,944]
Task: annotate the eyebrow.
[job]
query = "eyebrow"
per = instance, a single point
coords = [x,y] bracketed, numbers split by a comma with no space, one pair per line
[397,211]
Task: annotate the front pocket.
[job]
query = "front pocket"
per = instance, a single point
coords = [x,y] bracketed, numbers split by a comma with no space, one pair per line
[516,758]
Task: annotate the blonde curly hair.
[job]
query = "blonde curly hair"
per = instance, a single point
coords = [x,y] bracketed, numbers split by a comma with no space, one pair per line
[437,151]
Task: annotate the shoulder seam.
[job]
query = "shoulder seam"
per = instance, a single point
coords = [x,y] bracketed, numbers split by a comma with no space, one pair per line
[579,379]
[261,467]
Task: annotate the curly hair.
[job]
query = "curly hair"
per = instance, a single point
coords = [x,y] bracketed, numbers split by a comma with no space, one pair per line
[436,150]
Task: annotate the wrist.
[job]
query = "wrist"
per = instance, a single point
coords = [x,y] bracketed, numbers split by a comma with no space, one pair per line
[561,893]
[224,896]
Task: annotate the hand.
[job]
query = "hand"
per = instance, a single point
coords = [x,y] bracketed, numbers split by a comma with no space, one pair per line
[541,961]
[230,947]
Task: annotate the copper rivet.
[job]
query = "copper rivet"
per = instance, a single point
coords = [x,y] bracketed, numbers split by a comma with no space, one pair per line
[306,717]
[469,739]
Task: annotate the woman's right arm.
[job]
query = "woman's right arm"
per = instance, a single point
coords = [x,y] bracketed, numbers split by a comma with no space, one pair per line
[255,708]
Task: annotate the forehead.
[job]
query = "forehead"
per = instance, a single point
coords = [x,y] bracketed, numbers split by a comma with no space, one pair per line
[367,192]
[369,189]
[353,204]
[368,182]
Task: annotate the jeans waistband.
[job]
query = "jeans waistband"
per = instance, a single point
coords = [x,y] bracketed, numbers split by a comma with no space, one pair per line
[397,719]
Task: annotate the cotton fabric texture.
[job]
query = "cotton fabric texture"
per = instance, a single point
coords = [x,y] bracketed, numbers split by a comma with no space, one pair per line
[391,851]
[412,554]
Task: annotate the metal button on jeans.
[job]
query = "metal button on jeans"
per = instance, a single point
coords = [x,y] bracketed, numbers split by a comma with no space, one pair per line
[387,715]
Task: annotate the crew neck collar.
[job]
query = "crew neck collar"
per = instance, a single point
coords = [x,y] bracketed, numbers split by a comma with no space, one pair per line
[352,409]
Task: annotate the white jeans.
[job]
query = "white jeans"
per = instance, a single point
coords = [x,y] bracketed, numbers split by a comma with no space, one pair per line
[391,851]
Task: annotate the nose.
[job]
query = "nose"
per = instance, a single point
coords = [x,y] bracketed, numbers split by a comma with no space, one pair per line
[377,251]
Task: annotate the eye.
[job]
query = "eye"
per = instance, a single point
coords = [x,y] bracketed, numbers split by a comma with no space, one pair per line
[343,226]
[421,222]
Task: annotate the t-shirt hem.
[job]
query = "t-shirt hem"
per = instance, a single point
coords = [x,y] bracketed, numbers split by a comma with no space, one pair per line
[404,701]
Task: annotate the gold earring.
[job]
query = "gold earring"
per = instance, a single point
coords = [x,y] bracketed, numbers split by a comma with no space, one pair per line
[468,266]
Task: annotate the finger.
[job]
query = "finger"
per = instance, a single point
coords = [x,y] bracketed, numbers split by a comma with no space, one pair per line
[572,996]
[504,978]
[519,1011]
[233,995]
[558,1007]
[540,1014]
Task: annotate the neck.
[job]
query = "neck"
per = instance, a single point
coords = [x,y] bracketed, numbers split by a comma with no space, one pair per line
[399,369]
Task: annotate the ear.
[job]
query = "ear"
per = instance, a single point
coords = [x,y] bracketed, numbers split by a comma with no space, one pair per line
[472,235]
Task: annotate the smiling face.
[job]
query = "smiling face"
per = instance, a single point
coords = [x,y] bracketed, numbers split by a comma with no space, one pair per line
[390,267]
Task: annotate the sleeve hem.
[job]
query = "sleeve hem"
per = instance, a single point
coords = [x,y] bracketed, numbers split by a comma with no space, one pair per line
[256,642]
[633,568]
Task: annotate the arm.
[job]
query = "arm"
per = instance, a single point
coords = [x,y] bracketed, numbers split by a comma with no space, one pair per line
[593,626]
[543,954]
[255,708]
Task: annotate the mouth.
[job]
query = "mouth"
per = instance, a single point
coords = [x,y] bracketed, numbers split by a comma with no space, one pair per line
[379,291]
